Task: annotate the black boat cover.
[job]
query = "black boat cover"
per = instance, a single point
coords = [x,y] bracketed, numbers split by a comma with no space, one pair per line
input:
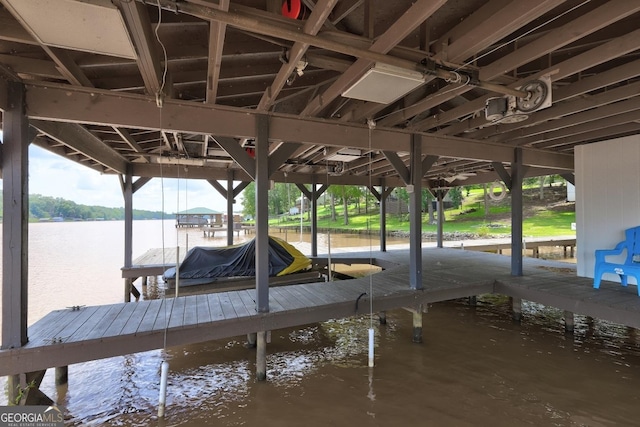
[207,264]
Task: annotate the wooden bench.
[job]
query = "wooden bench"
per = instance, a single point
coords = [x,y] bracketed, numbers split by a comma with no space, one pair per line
[631,264]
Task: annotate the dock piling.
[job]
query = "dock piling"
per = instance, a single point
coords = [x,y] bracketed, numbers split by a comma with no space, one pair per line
[516,309]
[13,389]
[382,316]
[417,326]
[261,356]
[568,322]
[62,375]
[252,339]
[127,289]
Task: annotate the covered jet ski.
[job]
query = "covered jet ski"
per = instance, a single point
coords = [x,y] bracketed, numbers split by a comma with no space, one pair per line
[204,265]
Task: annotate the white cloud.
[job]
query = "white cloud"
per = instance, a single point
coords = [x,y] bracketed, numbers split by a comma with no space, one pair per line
[55,176]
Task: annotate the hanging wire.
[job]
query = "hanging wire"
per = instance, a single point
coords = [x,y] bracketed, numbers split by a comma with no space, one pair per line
[329,275]
[555,17]
[371,124]
[164,365]
[160,104]
[470,62]
[286,229]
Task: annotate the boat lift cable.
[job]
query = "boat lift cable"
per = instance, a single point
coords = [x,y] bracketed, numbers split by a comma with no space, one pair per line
[371,124]
[329,275]
[164,366]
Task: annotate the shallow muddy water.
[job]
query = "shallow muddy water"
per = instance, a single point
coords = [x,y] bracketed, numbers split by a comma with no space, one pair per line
[475,366]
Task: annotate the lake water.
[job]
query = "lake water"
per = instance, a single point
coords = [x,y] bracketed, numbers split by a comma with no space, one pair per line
[475,367]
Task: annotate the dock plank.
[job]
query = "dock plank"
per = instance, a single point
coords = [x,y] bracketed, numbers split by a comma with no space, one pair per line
[281,298]
[247,297]
[164,314]
[112,314]
[305,296]
[72,328]
[293,301]
[93,322]
[329,292]
[190,313]
[131,326]
[150,316]
[121,320]
[177,313]
[238,305]
[226,305]
[215,307]
[203,314]
[49,326]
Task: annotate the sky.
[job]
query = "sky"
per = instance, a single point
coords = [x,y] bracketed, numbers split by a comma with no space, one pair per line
[54,176]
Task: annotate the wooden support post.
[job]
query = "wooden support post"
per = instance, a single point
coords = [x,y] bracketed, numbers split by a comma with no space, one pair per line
[516,309]
[383,317]
[568,322]
[415,214]
[13,389]
[230,201]
[251,340]
[261,356]
[128,285]
[314,217]
[417,326]
[262,213]
[517,173]
[383,216]
[440,211]
[135,292]
[126,182]
[62,375]
[15,231]
[29,392]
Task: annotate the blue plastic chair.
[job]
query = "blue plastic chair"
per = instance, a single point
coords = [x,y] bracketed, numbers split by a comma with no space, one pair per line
[631,264]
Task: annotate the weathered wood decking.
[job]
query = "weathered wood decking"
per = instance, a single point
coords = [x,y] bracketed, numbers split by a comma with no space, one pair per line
[70,336]
[155,261]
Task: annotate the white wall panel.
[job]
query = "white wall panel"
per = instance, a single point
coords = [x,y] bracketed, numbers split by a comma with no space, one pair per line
[607,197]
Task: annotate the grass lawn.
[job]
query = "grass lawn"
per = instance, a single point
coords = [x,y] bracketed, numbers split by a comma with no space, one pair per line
[547,217]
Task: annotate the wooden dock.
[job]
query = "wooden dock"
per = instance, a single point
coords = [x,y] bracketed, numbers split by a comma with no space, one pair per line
[533,244]
[70,336]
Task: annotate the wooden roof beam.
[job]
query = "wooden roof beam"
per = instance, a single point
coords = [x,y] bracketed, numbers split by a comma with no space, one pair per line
[296,53]
[136,17]
[582,26]
[603,53]
[472,35]
[126,137]
[600,80]
[217,31]
[76,104]
[83,141]
[411,19]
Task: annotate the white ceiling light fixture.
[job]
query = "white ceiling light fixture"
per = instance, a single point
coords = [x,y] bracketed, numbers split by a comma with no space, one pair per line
[94,26]
[384,84]
[346,155]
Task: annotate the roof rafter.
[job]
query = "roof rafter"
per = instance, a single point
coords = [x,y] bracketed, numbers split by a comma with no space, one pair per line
[311,26]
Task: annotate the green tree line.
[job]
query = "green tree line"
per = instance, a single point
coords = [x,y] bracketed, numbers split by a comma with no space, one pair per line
[284,196]
[44,207]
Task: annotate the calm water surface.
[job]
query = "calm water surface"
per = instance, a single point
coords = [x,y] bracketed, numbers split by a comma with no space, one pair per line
[476,367]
